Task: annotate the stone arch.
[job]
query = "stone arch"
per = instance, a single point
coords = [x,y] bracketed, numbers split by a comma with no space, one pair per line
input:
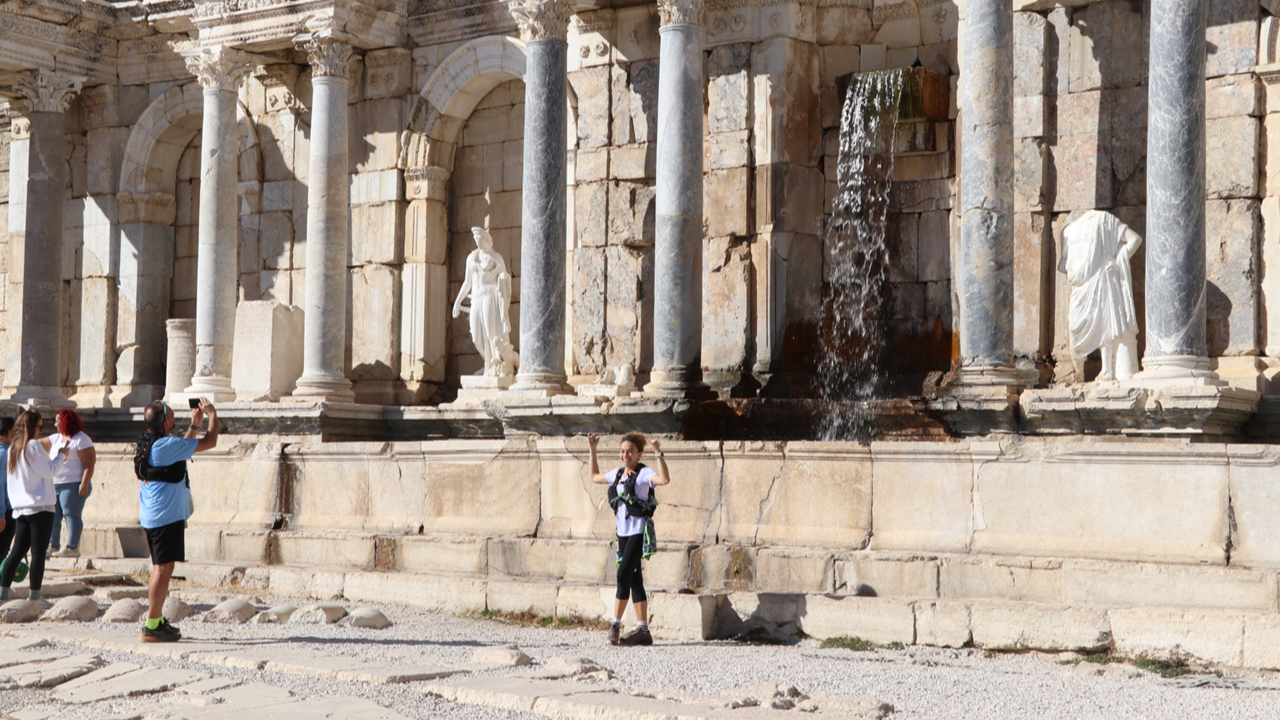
[146,210]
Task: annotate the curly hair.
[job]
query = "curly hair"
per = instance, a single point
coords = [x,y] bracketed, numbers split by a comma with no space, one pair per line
[636,439]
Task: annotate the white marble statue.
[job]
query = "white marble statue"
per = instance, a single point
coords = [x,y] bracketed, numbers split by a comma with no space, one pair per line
[1096,249]
[488,284]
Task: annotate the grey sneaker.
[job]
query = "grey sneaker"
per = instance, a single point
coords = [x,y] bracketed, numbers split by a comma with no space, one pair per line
[67,553]
[615,633]
[639,637]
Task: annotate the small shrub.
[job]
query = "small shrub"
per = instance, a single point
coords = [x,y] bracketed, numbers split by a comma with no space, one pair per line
[895,645]
[1100,659]
[1163,668]
[848,643]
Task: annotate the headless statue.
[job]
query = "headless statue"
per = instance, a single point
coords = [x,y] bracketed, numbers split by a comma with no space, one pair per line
[1095,256]
[488,284]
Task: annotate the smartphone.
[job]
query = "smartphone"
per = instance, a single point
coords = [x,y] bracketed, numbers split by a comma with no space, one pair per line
[193,402]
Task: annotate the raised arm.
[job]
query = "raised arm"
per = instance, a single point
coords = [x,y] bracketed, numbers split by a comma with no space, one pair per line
[597,477]
[210,439]
[664,475]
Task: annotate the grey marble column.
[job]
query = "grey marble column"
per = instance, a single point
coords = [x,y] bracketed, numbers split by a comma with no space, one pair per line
[1175,285]
[35,373]
[328,228]
[544,24]
[677,275]
[220,71]
[985,265]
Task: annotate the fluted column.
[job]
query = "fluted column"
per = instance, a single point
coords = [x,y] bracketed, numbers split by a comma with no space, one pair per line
[985,266]
[677,315]
[34,369]
[220,70]
[1175,349]
[328,226]
[544,25]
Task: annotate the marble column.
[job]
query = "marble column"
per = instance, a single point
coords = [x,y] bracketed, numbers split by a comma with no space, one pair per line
[220,70]
[328,227]
[677,314]
[544,25]
[1175,288]
[985,266]
[35,363]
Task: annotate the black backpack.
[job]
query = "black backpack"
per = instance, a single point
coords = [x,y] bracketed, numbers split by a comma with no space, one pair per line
[635,506]
[144,470]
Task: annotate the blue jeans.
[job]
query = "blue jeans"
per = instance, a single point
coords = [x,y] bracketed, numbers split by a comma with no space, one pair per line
[70,506]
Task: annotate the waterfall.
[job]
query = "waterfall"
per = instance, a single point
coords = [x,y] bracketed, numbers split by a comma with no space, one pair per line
[853,337]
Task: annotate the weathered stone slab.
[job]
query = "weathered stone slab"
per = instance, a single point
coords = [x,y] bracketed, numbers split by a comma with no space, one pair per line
[318,615]
[48,674]
[1015,626]
[515,694]
[880,620]
[235,611]
[1165,634]
[277,614]
[942,623]
[138,682]
[78,608]
[500,656]
[102,674]
[366,618]
[20,611]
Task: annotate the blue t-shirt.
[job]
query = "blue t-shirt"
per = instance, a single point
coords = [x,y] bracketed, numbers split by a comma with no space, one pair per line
[4,475]
[161,503]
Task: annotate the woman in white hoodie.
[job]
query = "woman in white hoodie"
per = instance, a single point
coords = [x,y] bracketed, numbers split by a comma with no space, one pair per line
[32,466]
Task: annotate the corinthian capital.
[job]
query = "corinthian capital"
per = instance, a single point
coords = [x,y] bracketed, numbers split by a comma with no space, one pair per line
[217,67]
[328,58]
[47,91]
[542,19]
[680,12]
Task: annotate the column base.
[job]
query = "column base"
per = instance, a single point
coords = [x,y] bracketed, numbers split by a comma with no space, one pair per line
[214,387]
[323,389]
[982,400]
[130,396]
[1175,371]
[677,383]
[538,385]
[40,396]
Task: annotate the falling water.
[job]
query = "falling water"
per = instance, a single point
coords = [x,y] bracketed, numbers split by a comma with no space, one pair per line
[853,340]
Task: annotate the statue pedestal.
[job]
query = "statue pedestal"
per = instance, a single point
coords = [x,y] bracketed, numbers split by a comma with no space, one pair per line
[478,388]
[1206,412]
[606,390]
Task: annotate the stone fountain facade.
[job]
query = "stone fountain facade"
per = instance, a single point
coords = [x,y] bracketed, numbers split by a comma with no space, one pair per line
[269,202]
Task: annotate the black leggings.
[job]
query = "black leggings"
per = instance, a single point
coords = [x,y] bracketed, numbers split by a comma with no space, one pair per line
[630,576]
[31,532]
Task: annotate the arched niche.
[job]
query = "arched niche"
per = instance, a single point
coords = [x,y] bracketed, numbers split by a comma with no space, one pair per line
[147,207]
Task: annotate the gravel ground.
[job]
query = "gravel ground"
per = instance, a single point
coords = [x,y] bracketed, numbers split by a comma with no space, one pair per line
[918,682]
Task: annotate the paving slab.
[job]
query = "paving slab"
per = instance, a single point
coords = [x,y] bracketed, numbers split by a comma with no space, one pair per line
[321,708]
[10,643]
[104,673]
[113,593]
[138,682]
[48,674]
[207,686]
[8,659]
[508,693]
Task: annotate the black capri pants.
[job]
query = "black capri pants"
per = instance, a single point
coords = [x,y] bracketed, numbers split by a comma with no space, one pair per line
[31,533]
[630,576]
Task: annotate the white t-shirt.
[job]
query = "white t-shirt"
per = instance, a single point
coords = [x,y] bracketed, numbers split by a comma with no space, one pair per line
[628,525]
[73,469]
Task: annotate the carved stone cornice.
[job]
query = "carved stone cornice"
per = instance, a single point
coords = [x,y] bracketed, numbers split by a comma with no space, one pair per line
[680,12]
[47,91]
[217,67]
[542,19]
[328,57]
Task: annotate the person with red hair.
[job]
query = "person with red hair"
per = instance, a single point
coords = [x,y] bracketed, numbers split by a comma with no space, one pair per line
[73,482]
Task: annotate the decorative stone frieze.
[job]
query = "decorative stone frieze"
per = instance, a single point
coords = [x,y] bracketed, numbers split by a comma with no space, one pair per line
[328,58]
[680,12]
[48,91]
[542,19]
[217,67]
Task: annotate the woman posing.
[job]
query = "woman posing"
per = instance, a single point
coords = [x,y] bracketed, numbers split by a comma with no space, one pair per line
[32,464]
[631,495]
[73,482]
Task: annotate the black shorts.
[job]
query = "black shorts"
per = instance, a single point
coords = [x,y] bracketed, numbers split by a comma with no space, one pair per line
[168,543]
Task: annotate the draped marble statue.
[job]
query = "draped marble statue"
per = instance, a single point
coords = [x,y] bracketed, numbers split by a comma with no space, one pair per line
[1096,249]
[488,284]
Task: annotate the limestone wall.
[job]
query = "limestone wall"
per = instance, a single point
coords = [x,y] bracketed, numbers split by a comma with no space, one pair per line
[1112,501]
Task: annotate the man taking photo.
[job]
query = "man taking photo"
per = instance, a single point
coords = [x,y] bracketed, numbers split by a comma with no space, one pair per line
[164,500]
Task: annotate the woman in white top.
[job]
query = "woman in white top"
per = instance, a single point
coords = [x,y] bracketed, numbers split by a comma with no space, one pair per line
[74,481]
[631,530]
[32,464]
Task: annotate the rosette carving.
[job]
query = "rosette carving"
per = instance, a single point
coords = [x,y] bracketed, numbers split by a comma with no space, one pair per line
[680,12]
[47,91]
[542,19]
[217,67]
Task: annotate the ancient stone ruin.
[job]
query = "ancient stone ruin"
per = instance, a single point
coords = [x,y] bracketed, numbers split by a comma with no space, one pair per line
[818,241]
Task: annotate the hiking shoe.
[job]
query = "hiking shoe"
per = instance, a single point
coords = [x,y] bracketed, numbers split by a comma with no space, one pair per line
[639,637]
[165,633]
[615,633]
